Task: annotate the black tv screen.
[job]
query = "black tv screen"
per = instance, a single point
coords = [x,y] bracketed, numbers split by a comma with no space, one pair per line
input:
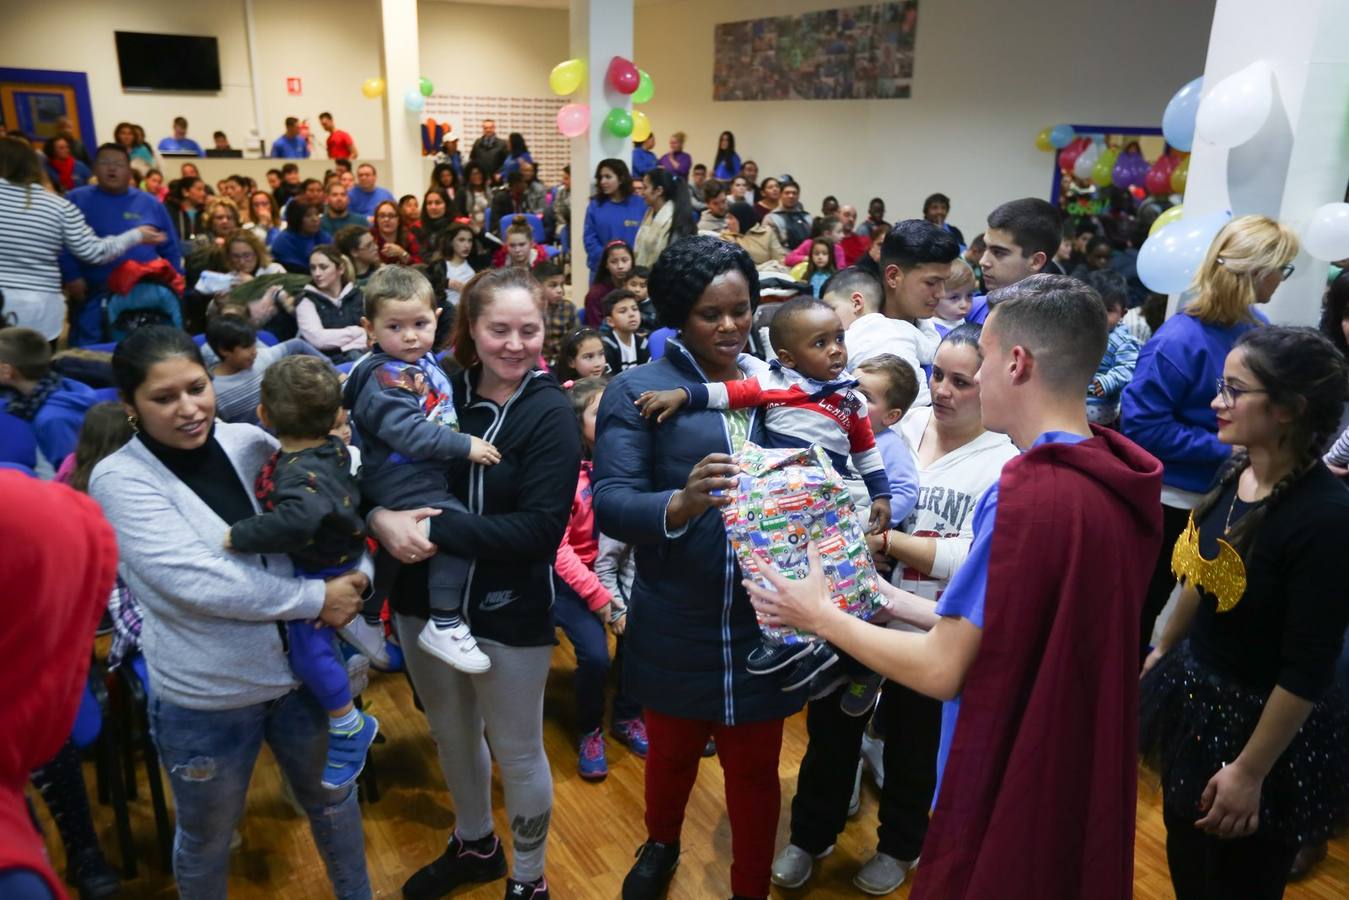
[168,62]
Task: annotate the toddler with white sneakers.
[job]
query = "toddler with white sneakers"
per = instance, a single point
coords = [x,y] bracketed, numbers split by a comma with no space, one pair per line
[402,405]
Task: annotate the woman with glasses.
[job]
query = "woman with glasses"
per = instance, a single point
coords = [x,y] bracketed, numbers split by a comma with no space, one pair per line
[1240,712]
[1167,408]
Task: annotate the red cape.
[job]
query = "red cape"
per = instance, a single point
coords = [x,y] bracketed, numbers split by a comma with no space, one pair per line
[57,568]
[1039,793]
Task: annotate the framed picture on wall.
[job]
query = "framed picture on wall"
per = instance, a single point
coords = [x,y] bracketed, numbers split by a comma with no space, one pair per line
[34,101]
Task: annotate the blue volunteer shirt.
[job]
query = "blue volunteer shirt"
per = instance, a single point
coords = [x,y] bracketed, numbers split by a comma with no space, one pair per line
[290,147]
[964,596]
[180,145]
[364,202]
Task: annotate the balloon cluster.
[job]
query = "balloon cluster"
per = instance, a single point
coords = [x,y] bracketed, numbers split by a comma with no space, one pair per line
[414,98]
[624,77]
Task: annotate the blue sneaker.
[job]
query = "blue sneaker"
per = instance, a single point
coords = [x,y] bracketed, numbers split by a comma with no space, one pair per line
[346,753]
[592,765]
[632,732]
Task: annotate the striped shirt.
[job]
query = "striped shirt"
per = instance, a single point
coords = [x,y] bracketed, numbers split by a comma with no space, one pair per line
[800,411]
[35,225]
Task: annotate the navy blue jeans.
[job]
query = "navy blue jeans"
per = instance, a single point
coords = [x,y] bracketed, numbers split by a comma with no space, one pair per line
[209,755]
[586,633]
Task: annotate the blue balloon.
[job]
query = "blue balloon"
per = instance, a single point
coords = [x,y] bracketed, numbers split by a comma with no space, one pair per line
[1061,136]
[414,100]
[1168,259]
[1178,120]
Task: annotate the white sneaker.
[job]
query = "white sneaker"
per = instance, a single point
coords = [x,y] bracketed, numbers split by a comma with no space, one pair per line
[454,645]
[794,866]
[882,874]
[368,640]
[873,758]
[855,803]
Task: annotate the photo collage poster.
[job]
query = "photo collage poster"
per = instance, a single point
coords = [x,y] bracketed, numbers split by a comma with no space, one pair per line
[853,53]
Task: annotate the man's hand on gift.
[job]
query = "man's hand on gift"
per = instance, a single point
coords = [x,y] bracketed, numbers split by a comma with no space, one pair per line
[662,403]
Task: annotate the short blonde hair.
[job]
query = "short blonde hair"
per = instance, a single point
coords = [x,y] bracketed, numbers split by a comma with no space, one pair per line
[961,277]
[1247,249]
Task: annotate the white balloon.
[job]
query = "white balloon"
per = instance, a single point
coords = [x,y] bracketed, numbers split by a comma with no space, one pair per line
[1327,233]
[1170,256]
[1237,107]
[1086,161]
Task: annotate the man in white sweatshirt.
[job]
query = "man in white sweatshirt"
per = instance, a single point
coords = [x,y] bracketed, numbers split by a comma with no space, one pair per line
[915,260]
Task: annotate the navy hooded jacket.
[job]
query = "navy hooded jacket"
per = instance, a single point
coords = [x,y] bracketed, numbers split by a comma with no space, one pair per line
[690,623]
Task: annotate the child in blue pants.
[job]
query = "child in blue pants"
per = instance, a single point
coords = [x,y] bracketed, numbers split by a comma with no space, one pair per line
[311,512]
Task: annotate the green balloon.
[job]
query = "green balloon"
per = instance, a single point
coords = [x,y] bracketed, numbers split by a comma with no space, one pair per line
[618,123]
[426,87]
[645,90]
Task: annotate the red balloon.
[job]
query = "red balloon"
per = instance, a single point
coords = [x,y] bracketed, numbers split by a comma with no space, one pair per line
[1068,155]
[1158,179]
[623,75]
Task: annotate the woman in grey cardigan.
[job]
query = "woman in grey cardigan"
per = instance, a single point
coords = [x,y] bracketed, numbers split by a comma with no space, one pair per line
[214,620]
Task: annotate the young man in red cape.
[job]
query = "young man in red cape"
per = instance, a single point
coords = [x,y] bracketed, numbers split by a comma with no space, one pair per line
[1034,644]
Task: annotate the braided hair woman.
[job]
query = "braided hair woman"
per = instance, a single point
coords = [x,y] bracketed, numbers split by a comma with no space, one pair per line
[1240,714]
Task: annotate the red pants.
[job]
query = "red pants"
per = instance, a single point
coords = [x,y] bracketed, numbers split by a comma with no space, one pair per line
[749,762]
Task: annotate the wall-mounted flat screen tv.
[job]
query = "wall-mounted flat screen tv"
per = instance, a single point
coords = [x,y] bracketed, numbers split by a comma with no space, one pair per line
[168,62]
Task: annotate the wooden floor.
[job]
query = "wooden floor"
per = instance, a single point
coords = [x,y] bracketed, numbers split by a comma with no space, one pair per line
[595,827]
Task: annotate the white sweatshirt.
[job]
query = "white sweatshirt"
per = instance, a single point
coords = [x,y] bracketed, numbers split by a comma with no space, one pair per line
[948,490]
[874,334]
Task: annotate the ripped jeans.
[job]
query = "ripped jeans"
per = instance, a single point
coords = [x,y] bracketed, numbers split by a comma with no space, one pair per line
[209,755]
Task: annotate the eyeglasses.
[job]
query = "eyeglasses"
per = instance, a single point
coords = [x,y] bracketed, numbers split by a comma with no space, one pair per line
[1232,394]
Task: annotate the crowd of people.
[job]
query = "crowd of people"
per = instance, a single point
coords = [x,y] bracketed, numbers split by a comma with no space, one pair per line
[536,442]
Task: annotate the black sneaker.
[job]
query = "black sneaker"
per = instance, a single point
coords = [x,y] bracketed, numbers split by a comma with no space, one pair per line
[527,890]
[820,658]
[770,657]
[94,877]
[860,696]
[650,875]
[461,863]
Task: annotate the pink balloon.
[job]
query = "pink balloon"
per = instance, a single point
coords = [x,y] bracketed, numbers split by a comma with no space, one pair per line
[573,119]
[623,75]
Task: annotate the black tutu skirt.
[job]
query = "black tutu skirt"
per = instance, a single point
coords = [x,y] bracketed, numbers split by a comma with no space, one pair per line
[1193,721]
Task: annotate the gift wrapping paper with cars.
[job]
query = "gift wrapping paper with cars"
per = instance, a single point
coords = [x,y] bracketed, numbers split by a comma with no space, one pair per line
[787,498]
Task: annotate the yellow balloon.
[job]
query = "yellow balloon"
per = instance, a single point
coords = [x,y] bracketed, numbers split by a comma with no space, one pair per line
[1042,141]
[1166,218]
[641,126]
[567,76]
[373,87]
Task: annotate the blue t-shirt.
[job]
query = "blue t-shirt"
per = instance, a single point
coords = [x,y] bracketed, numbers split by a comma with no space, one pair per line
[290,147]
[180,145]
[364,202]
[964,596]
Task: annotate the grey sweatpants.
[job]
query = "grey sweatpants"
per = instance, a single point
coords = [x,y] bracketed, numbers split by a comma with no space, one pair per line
[507,703]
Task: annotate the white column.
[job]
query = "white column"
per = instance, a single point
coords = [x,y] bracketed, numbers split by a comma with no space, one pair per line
[402,71]
[600,30]
[1300,158]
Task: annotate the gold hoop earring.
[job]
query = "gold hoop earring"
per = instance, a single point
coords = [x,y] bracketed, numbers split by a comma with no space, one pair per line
[134,422]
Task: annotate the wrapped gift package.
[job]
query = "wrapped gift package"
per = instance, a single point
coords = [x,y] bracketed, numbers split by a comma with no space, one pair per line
[786,499]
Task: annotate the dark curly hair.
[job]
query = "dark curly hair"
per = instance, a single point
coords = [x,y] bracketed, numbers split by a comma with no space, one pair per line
[1336,311]
[687,267]
[1305,373]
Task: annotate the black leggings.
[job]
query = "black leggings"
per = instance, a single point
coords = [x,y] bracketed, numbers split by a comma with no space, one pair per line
[61,784]
[1204,867]
[1163,582]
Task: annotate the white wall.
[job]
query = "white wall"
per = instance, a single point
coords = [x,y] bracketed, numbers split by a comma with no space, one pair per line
[988,75]
[332,45]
